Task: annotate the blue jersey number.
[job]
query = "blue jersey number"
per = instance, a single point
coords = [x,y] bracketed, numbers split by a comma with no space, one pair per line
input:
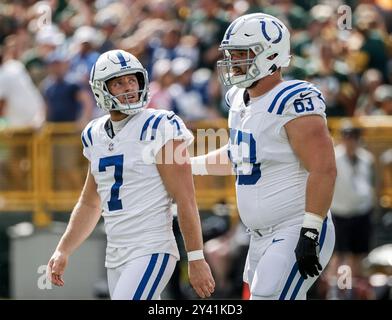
[300,107]
[239,138]
[117,161]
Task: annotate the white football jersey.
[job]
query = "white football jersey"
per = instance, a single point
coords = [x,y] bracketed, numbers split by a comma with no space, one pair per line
[270,179]
[135,204]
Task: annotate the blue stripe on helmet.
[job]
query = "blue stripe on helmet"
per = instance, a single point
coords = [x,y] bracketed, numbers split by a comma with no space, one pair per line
[280,33]
[228,32]
[121,59]
[264,31]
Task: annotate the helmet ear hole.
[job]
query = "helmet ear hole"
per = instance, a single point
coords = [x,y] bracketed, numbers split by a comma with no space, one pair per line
[272,56]
[140,79]
[142,83]
[273,68]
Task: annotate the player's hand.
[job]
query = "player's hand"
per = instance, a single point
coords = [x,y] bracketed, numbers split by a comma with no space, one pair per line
[307,253]
[201,278]
[56,267]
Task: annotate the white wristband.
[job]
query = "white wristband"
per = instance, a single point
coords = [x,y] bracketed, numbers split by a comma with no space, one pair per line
[313,221]
[195,255]
[199,165]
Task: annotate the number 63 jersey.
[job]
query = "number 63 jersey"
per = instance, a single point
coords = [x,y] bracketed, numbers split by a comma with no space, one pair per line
[135,204]
[270,180]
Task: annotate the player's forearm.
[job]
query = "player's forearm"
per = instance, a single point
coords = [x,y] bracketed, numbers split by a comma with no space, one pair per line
[319,191]
[216,163]
[83,220]
[189,221]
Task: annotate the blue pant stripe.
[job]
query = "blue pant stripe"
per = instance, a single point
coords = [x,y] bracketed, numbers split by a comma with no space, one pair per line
[323,233]
[146,277]
[159,276]
[297,287]
[289,281]
[301,279]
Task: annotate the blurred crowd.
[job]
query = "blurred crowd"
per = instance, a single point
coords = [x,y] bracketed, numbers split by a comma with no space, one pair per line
[48,49]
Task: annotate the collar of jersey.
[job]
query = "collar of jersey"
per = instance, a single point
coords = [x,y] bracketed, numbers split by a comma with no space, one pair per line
[119,134]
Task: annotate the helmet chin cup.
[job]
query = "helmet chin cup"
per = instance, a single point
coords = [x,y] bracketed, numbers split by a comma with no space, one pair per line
[245,84]
[131,112]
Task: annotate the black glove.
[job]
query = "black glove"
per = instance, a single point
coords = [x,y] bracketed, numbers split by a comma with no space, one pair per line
[307,253]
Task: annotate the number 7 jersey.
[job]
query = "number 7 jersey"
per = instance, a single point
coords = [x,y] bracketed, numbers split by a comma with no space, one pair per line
[135,204]
[270,181]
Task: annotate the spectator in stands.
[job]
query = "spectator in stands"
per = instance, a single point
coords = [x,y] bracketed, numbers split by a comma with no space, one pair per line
[366,103]
[208,23]
[107,22]
[333,78]
[159,88]
[386,181]
[47,40]
[67,100]
[353,202]
[165,45]
[371,27]
[21,104]
[188,101]
[86,39]
[383,98]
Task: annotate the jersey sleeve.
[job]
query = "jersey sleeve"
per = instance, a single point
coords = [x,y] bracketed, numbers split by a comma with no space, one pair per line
[162,128]
[229,96]
[307,100]
[87,140]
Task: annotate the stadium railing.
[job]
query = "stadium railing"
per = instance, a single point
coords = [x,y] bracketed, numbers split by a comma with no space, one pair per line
[42,171]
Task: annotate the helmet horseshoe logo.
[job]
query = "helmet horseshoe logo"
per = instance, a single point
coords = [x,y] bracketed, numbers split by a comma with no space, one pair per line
[265,32]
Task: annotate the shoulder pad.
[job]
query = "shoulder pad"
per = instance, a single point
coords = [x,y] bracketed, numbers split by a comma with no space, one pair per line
[302,95]
[157,120]
[86,136]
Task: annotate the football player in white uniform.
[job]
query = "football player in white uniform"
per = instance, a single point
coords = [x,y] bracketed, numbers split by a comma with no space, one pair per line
[132,178]
[282,154]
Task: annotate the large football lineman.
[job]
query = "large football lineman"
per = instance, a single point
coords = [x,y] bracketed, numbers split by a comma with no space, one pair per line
[132,185]
[282,154]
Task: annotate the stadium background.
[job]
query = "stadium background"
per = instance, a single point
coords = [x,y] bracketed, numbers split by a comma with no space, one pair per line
[345,47]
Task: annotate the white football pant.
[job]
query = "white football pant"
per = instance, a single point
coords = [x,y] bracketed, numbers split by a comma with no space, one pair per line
[143,278]
[271,269]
